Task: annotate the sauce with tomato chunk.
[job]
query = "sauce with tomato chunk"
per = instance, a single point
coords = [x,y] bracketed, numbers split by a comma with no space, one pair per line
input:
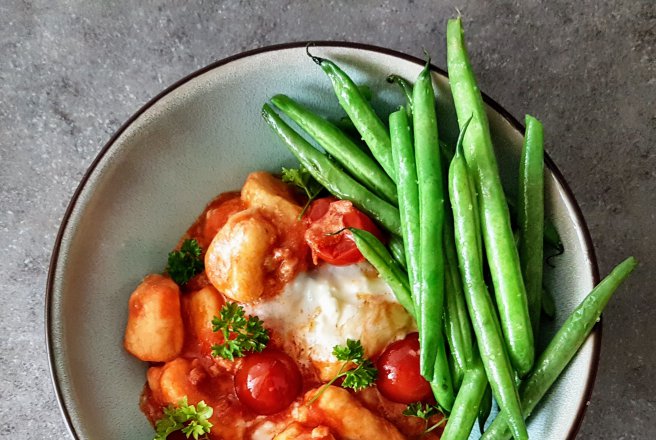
[214,216]
[327,219]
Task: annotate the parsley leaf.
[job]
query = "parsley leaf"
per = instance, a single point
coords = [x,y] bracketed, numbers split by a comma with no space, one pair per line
[302,178]
[240,334]
[352,351]
[362,376]
[185,263]
[421,410]
[425,411]
[191,420]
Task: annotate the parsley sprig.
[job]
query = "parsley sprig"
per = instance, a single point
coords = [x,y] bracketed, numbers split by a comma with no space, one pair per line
[302,178]
[191,420]
[240,334]
[425,411]
[362,376]
[185,263]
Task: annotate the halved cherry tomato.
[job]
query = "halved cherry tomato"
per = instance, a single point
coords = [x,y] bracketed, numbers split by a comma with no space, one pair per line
[399,378]
[267,382]
[328,215]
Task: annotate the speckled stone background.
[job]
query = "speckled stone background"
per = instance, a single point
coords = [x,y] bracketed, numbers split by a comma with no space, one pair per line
[72,71]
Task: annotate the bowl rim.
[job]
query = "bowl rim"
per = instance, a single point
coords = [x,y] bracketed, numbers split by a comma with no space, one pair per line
[549,163]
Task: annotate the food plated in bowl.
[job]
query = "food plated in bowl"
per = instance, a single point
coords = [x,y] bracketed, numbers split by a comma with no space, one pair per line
[204,137]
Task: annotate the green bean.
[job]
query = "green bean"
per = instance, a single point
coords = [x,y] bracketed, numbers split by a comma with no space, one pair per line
[347,127]
[332,177]
[362,114]
[472,187]
[433,360]
[397,250]
[456,319]
[481,310]
[502,255]
[452,334]
[457,373]
[406,87]
[408,193]
[458,329]
[548,304]
[376,253]
[466,407]
[531,217]
[485,408]
[563,346]
[551,236]
[431,212]
[361,166]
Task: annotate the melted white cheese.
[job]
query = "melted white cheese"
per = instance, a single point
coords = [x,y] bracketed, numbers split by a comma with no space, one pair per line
[326,306]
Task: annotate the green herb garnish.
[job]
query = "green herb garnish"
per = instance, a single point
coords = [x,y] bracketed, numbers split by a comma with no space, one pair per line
[302,178]
[240,334]
[185,263]
[425,411]
[362,376]
[192,420]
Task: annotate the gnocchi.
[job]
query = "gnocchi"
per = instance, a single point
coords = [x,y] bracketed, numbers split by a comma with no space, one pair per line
[155,331]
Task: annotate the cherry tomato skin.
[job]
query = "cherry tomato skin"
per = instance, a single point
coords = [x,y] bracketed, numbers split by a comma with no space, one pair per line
[317,209]
[267,382]
[328,215]
[399,378]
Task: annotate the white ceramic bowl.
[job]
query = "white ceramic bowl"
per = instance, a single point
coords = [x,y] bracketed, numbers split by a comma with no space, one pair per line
[201,137]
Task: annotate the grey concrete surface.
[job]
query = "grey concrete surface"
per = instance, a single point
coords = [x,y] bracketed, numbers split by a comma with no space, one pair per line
[72,71]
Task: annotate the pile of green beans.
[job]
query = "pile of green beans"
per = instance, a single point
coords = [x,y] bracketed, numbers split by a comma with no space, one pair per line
[563,346]
[484,318]
[362,114]
[502,255]
[340,146]
[449,223]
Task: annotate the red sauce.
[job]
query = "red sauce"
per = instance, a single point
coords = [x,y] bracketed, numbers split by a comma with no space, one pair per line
[213,217]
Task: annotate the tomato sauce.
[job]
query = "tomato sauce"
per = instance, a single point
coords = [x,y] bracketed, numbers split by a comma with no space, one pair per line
[213,217]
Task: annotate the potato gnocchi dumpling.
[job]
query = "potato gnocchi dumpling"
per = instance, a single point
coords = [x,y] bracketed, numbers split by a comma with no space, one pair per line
[155,332]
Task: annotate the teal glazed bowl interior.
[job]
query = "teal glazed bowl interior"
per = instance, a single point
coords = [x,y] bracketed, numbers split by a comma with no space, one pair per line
[200,137]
